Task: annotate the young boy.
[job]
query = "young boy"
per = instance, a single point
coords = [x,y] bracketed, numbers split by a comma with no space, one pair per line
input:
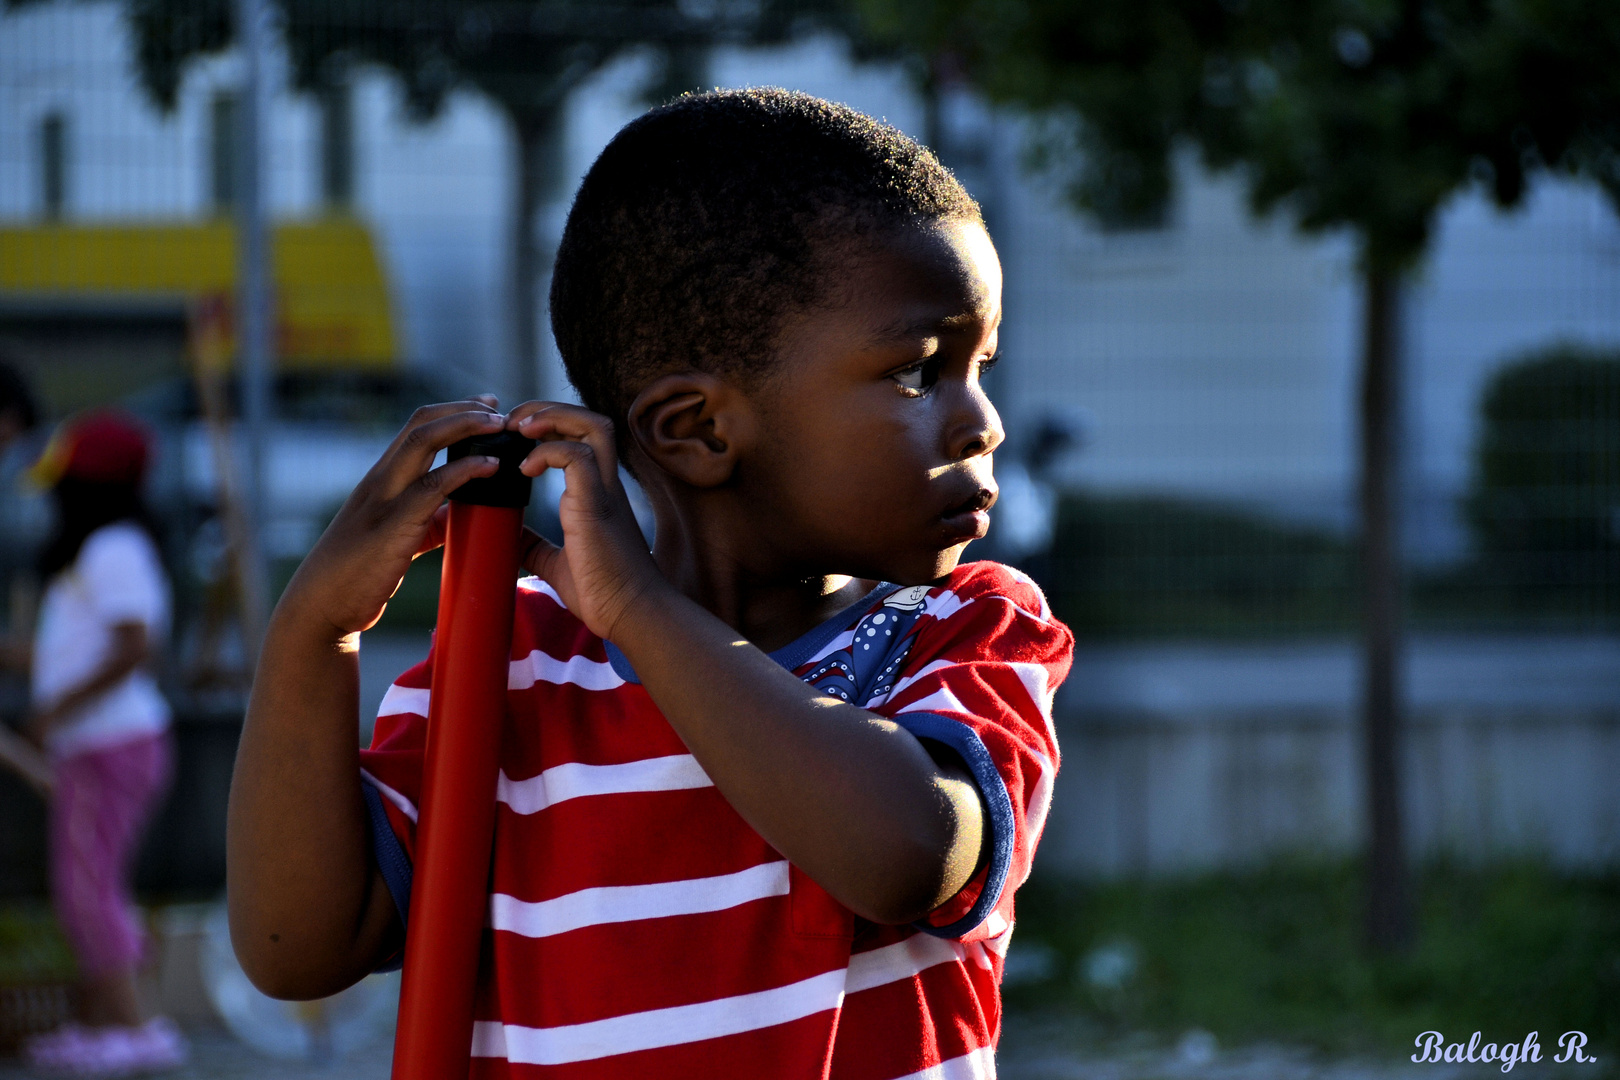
[767,791]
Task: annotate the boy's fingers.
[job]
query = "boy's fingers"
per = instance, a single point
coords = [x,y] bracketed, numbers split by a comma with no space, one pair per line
[437,525]
[581,467]
[538,552]
[580,425]
[417,445]
[435,485]
[520,413]
[537,419]
[426,414]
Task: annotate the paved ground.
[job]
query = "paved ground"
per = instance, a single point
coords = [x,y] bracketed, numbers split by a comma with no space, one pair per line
[1029,1052]
[218,1056]
[1043,1049]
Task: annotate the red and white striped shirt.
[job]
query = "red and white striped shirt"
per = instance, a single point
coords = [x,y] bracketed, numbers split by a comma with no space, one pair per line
[639,927]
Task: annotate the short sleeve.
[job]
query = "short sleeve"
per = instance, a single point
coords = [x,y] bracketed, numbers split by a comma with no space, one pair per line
[985,658]
[391,779]
[124,577]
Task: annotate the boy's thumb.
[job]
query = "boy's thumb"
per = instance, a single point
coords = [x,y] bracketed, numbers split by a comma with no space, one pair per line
[537,552]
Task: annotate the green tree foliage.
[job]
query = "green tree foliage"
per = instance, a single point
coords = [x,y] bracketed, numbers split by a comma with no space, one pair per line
[524,55]
[1545,508]
[1366,114]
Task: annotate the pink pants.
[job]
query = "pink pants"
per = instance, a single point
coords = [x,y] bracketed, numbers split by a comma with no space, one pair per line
[98,811]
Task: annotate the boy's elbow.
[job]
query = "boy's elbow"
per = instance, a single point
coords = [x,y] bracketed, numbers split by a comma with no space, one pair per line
[277,980]
[902,899]
[931,864]
[294,964]
[282,977]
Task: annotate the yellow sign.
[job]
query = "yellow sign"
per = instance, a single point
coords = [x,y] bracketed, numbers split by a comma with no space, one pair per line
[330,293]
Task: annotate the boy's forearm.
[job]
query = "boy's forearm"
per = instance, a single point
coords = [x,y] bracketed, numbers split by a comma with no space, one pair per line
[850,797]
[307,915]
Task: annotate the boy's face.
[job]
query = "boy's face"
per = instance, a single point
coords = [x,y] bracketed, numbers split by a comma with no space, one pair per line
[875,459]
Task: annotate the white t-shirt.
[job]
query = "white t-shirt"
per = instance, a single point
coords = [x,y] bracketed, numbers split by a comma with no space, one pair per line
[117,578]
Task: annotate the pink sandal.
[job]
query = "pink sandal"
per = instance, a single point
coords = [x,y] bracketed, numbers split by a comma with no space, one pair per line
[75,1050]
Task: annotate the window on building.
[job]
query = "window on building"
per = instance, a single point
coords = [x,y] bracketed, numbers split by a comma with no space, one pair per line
[53,164]
[337,139]
[224,154]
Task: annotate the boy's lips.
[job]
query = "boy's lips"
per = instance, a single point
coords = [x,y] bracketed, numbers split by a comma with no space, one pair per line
[970,518]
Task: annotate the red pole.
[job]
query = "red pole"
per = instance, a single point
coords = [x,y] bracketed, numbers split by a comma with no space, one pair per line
[456,826]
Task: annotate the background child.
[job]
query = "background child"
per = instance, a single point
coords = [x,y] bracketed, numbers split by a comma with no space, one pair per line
[767,791]
[99,715]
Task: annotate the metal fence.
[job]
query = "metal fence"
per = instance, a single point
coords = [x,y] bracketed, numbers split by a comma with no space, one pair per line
[1180,400]
[1209,360]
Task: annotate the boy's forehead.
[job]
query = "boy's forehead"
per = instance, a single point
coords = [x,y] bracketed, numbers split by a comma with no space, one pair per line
[911,325]
[927,282]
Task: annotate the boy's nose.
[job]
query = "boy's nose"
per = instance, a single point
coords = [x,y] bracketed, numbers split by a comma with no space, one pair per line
[978,430]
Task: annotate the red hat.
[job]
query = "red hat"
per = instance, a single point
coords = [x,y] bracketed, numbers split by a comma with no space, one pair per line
[102,447]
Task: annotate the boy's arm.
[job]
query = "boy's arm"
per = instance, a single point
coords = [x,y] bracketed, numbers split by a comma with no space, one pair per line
[852,798]
[309,912]
[848,796]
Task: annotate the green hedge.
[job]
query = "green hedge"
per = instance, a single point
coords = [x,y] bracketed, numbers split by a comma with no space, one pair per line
[1146,566]
[1545,504]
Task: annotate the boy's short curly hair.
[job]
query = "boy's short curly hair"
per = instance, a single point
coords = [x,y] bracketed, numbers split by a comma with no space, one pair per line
[708,221]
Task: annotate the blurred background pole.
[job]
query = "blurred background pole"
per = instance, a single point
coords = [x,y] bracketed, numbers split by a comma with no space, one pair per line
[538,180]
[1389,917]
[254,329]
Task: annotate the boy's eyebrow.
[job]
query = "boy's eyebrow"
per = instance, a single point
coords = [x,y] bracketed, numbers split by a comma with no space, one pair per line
[927,327]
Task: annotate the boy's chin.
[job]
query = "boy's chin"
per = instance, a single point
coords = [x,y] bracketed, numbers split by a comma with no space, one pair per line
[925,570]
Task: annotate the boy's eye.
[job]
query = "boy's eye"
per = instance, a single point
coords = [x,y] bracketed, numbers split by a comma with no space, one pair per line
[986,365]
[919,376]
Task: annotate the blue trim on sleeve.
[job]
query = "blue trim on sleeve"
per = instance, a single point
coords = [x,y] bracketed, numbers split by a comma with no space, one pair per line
[390,857]
[621,664]
[966,742]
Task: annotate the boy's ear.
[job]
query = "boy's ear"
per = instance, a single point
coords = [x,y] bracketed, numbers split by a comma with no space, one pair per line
[694,426]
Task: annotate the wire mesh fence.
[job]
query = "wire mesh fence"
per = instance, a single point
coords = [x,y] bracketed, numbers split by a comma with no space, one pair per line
[1541,528]
[414,198]
[1180,404]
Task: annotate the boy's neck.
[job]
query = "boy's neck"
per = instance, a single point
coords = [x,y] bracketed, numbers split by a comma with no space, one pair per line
[769,609]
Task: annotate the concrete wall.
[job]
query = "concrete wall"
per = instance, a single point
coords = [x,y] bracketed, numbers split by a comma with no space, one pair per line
[1196,782]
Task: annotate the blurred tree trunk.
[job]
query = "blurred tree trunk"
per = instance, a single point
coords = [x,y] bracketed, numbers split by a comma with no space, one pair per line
[1389,919]
[539,171]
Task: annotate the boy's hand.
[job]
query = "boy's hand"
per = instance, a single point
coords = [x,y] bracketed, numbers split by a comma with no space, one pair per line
[391,517]
[604,569]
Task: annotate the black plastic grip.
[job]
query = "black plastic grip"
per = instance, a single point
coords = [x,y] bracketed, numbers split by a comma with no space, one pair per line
[507,487]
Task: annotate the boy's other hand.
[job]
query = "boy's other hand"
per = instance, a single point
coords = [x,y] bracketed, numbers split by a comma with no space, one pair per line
[604,569]
[392,516]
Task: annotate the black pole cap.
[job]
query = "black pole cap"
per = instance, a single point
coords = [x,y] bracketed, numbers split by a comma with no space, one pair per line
[507,487]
